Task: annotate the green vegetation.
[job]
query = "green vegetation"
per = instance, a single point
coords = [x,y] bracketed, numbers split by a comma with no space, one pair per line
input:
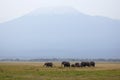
[35,71]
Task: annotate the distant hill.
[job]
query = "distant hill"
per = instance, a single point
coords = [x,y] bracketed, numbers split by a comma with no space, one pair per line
[62,32]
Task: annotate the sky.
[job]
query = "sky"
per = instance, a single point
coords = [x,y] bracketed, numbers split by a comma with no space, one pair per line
[12,9]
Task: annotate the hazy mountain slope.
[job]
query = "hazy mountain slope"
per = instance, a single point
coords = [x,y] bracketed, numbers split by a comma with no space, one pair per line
[62,34]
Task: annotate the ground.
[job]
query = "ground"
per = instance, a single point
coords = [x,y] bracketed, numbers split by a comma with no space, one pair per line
[36,71]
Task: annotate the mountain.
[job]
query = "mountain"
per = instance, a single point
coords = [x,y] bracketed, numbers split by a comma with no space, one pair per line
[60,32]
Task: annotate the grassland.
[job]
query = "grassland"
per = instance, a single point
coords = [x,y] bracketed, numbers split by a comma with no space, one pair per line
[36,71]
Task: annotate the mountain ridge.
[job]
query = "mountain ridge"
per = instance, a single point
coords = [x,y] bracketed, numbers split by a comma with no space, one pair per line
[57,11]
[69,35]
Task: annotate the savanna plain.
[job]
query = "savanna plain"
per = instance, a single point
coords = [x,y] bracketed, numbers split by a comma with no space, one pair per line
[36,71]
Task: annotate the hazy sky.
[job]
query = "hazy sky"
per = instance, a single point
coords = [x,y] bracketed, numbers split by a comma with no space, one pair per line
[10,9]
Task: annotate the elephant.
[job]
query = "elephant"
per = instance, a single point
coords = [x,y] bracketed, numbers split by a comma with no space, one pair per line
[84,64]
[65,64]
[48,64]
[77,64]
[88,64]
[92,64]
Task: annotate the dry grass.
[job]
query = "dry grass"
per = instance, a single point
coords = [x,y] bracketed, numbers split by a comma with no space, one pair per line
[36,71]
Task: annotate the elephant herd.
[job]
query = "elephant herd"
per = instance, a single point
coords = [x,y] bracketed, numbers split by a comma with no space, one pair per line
[67,64]
[84,64]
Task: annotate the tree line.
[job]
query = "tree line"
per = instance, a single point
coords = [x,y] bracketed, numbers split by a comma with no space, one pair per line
[61,59]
